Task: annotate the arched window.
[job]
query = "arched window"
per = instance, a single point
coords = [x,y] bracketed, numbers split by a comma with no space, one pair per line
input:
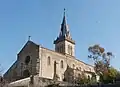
[90,69]
[80,68]
[78,75]
[88,78]
[58,49]
[49,60]
[73,66]
[77,68]
[27,60]
[61,63]
[70,50]
[62,48]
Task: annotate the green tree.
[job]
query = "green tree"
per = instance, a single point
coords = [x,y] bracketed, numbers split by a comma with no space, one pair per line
[83,79]
[111,75]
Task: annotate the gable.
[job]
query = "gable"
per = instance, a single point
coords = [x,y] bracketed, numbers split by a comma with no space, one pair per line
[28,45]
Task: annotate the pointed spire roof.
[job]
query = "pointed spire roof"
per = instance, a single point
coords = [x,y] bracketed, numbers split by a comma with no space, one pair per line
[64,32]
[64,19]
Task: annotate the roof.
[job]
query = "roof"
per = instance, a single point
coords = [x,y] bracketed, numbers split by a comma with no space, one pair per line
[26,44]
[69,55]
[64,32]
[10,68]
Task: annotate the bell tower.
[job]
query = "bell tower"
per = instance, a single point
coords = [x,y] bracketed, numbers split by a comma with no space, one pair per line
[64,43]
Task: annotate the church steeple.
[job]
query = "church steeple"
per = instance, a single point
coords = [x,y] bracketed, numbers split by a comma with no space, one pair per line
[64,43]
[64,28]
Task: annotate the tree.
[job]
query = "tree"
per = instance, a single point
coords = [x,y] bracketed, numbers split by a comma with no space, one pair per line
[1,78]
[100,57]
[101,60]
[82,79]
[118,76]
[111,75]
[3,83]
[93,79]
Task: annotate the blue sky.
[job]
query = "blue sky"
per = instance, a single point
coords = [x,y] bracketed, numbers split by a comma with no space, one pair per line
[90,22]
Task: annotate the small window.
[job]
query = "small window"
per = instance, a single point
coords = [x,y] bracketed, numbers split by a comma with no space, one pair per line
[77,68]
[73,66]
[90,69]
[80,68]
[78,74]
[58,49]
[21,65]
[71,50]
[61,49]
[88,78]
[62,64]
[27,60]
[68,49]
[48,60]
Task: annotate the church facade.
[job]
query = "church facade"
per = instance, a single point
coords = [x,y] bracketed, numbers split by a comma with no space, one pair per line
[59,64]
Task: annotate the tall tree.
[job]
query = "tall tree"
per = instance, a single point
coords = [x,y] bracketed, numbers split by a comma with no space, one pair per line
[101,60]
[100,57]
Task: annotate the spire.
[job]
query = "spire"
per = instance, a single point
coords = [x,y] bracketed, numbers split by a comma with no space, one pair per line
[64,20]
[64,28]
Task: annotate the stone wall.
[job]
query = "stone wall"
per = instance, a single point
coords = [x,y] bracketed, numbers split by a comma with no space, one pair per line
[37,82]
[47,70]
[43,82]
[26,64]
[69,63]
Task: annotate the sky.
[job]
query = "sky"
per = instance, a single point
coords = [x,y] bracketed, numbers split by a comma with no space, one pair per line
[90,22]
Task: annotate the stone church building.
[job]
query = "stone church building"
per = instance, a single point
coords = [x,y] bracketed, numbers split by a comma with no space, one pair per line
[60,64]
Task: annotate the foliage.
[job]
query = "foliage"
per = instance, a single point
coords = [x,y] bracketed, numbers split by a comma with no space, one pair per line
[83,79]
[112,72]
[102,63]
[118,76]
[100,57]
[3,82]
[110,76]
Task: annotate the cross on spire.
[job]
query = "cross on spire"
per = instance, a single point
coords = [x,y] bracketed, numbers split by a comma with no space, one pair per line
[29,38]
[64,11]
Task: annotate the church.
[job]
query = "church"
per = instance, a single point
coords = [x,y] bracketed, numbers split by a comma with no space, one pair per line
[59,64]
